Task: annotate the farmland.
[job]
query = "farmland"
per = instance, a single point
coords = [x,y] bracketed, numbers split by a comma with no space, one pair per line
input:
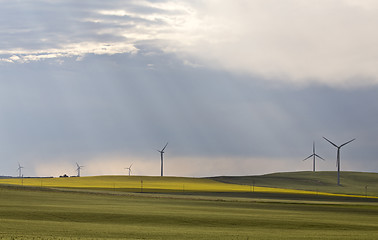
[351,182]
[116,207]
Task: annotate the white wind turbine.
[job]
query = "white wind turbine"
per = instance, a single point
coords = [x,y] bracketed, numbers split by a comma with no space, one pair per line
[314,156]
[162,158]
[20,170]
[129,168]
[338,156]
[78,169]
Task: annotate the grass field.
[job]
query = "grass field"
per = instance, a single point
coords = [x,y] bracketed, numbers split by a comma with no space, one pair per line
[351,182]
[34,213]
[122,207]
[289,183]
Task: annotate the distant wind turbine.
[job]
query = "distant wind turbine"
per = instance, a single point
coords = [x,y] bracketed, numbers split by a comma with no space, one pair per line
[78,169]
[20,170]
[338,156]
[161,158]
[314,156]
[129,168]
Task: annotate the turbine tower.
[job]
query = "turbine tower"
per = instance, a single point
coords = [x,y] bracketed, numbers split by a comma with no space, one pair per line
[78,169]
[313,155]
[161,159]
[338,156]
[129,168]
[20,170]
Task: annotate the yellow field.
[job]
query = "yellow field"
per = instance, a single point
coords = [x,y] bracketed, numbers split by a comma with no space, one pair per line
[152,184]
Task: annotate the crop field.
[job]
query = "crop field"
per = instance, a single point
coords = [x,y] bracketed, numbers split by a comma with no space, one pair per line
[355,183]
[159,184]
[32,213]
[118,207]
[143,184]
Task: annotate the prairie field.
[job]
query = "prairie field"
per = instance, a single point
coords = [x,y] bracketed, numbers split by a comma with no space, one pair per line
[355,183]
[105,207]
[185,185]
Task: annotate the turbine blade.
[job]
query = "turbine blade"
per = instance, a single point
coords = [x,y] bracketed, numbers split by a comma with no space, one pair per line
[164,147]
[313,147]
[319,157]
[331,142]
[308,157]
[347,142]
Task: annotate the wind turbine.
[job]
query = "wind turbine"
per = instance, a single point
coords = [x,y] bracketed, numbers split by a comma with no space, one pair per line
[161,158]
[338,156]
[129,168]
[19,170]
[78,169]
[313,155]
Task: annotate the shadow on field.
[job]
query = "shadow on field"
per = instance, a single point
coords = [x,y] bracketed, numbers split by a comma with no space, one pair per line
[216,196]
[275,196]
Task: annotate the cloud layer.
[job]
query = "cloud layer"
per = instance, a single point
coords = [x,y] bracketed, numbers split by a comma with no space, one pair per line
[331,42]
[328,42]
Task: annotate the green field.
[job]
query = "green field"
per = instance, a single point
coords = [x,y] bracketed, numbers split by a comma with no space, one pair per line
[351,182]
[181,208]
[302,183]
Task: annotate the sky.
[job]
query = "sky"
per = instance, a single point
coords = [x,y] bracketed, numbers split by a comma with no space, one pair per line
[238,87]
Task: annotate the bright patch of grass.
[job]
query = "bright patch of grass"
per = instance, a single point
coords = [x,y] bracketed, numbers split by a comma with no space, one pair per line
[134,183]
[153,184]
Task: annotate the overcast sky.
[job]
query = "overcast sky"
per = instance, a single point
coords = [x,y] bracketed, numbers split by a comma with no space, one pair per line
[236,87]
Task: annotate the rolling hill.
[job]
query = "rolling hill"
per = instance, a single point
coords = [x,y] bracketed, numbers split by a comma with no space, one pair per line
[351,182]
[276,185]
